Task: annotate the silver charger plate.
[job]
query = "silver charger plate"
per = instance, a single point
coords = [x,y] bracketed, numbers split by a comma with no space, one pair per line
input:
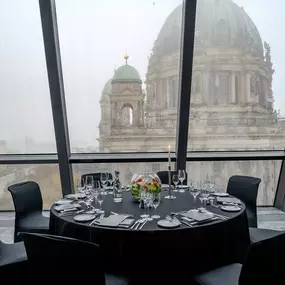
[231,208]
[168,224]
[221,194]
[63,202]
[75,196]
[84,218]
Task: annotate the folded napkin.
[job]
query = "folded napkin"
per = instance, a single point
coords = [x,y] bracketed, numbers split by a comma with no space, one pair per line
[112,221]
[230,200]
[67,207]
[199,216]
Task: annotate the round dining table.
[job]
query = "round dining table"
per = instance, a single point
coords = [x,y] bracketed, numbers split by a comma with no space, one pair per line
[158,254]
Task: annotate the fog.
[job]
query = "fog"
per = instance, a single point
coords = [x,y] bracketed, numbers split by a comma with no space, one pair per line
[94,36]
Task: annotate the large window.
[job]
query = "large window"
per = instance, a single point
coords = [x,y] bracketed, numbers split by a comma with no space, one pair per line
[26,124]
[219,172]
[46,175]
[237,100]
[121,72]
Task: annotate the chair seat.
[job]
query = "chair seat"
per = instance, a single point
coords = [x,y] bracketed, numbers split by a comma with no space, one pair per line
[226,275]
[261,234]
[12,253]
[34,223]
[115,280]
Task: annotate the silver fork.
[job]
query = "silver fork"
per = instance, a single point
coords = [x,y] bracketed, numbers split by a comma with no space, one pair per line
[135,224]
[139,223]
[142,225]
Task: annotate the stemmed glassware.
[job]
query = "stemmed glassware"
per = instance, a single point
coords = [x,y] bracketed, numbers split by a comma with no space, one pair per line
[181,177]
[195,192]
[110,182]
[80,186]
[104,181]
[148,204]
[143,194]
[89,183]
[205,193]
[175,181]
[100,199]
[155,203]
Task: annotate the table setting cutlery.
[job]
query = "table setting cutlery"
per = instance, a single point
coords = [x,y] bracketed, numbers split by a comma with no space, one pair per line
[70,213]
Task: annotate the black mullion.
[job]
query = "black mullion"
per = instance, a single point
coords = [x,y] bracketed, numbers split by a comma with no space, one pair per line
[186,65]
[54,69]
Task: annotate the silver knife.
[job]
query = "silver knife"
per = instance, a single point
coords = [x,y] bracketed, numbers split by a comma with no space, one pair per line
[142,224]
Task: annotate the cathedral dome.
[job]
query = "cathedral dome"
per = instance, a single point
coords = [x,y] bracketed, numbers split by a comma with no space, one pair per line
[219,23]
[126,73]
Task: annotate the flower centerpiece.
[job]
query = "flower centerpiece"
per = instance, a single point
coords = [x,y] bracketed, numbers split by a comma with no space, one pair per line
[147,182]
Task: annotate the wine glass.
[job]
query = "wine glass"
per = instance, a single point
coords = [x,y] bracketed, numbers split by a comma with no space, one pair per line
[195,192]
[148,203]
[80,185]
[181,177]
[95,193]
[155,202]
[104,181]
[205,193]
[100,199]
[175,181]
[143,198]
[110,182]
[89,182]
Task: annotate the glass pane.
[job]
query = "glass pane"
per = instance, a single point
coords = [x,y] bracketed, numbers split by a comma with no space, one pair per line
[220,172]
[127,170]
[26,124]
[46,175]
[121,72]
[237,100]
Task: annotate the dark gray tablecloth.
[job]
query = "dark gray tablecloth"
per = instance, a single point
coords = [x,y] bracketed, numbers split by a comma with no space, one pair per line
[162,252]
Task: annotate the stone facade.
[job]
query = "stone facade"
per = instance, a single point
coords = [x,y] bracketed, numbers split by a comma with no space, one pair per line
[232,104]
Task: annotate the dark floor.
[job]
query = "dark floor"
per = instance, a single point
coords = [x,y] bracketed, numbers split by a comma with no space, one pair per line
[268,218]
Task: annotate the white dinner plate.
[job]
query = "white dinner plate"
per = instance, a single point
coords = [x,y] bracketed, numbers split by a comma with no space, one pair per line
[63,202]
[231,208]
[168,224]
[84,218]
[75,196]
[182,186]
[221,194]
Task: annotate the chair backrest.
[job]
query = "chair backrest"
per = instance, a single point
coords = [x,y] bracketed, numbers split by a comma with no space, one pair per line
[265,262]
[27,198]
[62,260]
[96,177]
[163,175]
[245,188]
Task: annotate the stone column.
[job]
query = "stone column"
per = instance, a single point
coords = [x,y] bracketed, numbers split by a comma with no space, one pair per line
[205,90]
[233,88]
[242,88]
[247,87]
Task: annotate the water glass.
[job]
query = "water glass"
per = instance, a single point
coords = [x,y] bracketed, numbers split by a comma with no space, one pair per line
[110,182]
[100,199]
[181,177]
[143,194]
[104,181]
[195,192]
[175,181]
[155,203]
[148,203]
[80,185]
[89,183]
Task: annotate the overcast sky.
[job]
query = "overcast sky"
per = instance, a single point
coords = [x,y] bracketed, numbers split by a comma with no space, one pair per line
[94,36]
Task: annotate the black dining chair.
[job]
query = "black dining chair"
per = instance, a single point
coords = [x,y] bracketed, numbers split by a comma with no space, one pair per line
[264,264]
[13,261]
[163,175]
[96,177]
[63,260]
[28,205]
[245,188]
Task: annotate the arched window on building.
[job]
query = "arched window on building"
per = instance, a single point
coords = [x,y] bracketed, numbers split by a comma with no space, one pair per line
[223,89]
[127,115]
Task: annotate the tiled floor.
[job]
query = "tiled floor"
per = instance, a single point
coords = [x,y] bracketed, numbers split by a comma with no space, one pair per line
[268,218]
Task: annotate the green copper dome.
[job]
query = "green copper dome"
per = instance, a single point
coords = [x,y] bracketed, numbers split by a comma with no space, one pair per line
[126,73]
